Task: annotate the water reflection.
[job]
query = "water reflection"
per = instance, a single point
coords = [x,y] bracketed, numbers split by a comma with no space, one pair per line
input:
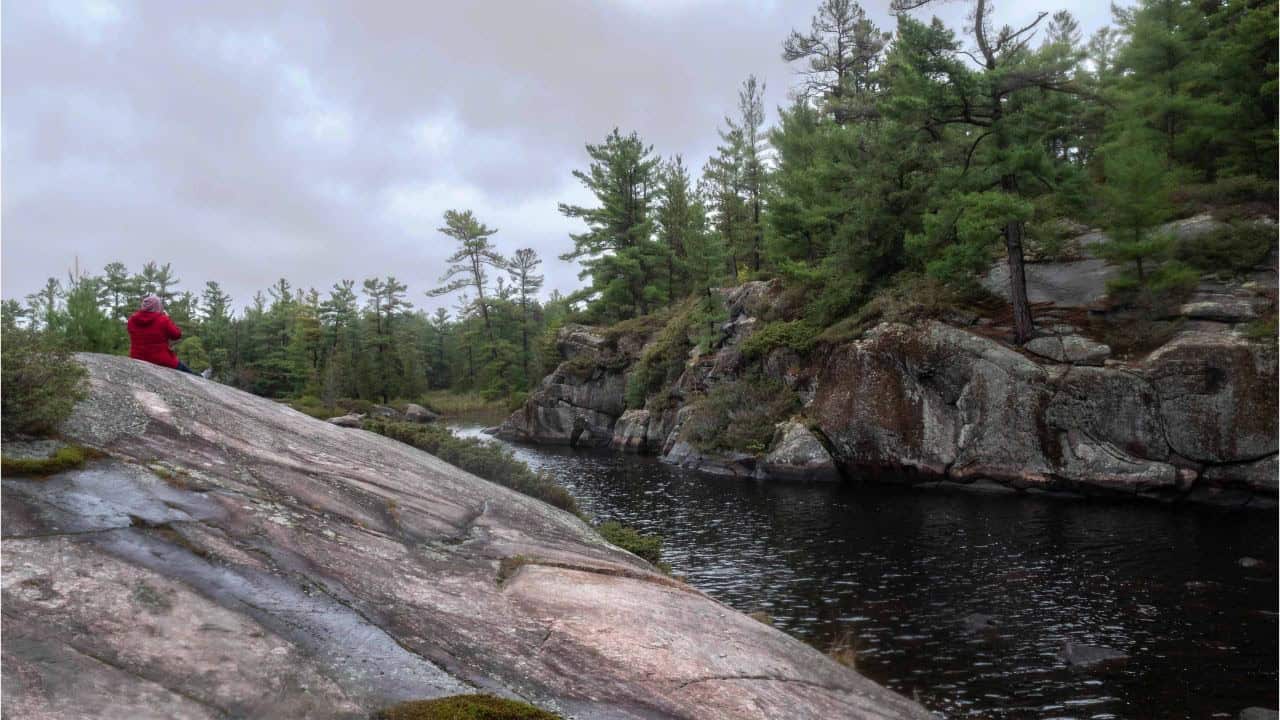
[965,599]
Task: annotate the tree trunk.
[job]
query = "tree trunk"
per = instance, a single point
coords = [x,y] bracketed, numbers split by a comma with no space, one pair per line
[1022,324]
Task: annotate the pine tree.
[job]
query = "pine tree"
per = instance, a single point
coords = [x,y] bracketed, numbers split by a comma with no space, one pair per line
[841,51]
[469,264]
[617,251]
[527,282]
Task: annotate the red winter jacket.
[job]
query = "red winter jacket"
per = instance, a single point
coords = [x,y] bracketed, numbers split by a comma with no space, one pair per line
[149,336]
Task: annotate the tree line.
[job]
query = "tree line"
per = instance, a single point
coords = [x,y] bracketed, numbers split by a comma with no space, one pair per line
[365,342]
[922,154]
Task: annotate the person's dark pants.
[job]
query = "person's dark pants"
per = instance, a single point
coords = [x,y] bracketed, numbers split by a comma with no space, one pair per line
[183,367]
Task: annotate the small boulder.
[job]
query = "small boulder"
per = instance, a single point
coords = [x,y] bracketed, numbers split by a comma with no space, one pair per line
[797,454]
[978,622]
[1250,563]
[1081,655]
[1073,349]
[354,420]
[414,412]
[383,412]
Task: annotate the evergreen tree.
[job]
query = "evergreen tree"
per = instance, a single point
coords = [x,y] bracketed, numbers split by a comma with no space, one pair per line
[617,251]
[527,282]
[840,51]
[470,262]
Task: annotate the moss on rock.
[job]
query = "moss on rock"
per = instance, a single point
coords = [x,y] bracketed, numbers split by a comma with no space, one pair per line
[464,707]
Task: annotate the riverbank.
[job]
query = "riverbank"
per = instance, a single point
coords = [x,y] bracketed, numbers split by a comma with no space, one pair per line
[965,600]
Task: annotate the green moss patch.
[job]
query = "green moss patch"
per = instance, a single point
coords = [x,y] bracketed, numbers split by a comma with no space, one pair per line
[646,547]
[464,707]
[65,458]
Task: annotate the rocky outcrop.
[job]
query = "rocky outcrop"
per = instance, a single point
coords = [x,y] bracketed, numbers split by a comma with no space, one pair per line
[414,412]
[1217,397]
[234,558]
[579,403]
[939,402]
[1195,419]
[352,420]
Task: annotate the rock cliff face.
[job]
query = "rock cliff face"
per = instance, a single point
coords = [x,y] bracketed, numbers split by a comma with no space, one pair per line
[231,557]
[933,402]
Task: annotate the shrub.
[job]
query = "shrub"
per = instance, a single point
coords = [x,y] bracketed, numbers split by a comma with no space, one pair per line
[1234,250]
[663,360]
[797,335]
[487,460]
[646,547]
[739,416]
[40,381]
[464,707]
[1262,330]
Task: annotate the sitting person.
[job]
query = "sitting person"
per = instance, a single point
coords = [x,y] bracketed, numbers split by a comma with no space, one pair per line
[150,332]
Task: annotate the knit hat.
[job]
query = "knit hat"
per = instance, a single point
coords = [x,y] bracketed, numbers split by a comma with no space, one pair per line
[151,303]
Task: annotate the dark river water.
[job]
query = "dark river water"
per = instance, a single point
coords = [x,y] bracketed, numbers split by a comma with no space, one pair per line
[904,578]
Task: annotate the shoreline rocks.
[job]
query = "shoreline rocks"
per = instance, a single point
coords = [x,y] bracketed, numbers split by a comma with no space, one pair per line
[1194,420]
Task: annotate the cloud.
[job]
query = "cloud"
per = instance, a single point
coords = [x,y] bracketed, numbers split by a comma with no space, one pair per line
[245,141]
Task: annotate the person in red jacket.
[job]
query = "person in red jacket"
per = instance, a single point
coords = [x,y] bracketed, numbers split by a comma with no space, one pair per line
[150,332]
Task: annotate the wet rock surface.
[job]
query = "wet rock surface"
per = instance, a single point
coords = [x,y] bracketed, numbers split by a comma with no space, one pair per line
[234,558]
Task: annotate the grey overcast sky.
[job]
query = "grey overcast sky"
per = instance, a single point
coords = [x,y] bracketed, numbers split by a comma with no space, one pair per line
[244,141]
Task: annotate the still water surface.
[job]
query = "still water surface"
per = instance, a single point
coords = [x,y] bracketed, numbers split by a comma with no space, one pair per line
[899,575]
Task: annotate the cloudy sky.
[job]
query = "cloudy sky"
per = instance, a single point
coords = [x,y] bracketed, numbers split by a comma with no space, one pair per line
[244,141]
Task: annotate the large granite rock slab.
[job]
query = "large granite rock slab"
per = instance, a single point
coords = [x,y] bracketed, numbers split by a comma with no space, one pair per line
[235,558]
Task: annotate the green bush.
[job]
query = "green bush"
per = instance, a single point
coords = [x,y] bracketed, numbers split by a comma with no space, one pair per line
[739,416]
[646,547]
[797,335]
[663,360]
[1234,250]
[40,381]
[487,460]
[464,707]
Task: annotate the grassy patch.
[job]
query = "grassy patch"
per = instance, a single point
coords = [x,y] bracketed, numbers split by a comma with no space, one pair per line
[844,650]
[66,458]
[1262,330]
[487,460]
[909,299]
[739,416]
[646,547]
[464,707]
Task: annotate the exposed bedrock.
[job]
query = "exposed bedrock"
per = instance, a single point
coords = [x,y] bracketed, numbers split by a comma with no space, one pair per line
[1194,419]
[234,558]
